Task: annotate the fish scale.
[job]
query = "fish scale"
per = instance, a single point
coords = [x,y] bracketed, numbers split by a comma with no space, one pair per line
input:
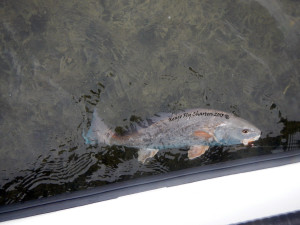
[195,128]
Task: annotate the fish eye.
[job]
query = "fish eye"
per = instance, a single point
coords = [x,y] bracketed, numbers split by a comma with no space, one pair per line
[245,131]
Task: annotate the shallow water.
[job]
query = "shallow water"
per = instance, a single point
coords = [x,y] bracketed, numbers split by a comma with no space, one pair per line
[60,60]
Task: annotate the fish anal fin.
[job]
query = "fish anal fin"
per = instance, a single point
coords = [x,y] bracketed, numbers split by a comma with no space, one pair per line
[197,150]
[146,153]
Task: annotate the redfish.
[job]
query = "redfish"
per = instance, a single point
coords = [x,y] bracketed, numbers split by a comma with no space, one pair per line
[196,129]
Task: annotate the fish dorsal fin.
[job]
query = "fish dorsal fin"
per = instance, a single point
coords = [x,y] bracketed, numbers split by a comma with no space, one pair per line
[159,116]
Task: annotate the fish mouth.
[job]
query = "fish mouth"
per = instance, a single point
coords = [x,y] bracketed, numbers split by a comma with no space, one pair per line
[250,140]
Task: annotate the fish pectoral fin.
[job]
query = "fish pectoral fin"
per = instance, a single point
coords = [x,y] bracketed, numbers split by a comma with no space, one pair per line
[202,134]
[146,153]
[197,150]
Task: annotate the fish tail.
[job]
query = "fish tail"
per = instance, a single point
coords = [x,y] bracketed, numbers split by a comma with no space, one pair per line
[99,132]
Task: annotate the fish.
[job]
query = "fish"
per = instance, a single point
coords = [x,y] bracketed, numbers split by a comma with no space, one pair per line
[195,129]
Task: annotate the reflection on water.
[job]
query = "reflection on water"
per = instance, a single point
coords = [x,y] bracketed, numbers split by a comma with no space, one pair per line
[131,60]
[65,171]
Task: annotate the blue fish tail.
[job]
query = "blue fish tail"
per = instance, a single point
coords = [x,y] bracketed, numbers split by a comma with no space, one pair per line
[87,141]
[98,132]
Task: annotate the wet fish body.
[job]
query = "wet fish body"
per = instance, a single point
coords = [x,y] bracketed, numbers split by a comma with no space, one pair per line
[194,128]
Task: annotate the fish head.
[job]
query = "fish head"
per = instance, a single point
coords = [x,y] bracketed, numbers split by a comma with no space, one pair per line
[236,131]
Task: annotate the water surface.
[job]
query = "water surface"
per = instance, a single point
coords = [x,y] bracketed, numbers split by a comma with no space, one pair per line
[60,60]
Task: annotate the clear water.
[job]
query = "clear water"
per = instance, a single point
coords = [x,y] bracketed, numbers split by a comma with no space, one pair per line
[131,59]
